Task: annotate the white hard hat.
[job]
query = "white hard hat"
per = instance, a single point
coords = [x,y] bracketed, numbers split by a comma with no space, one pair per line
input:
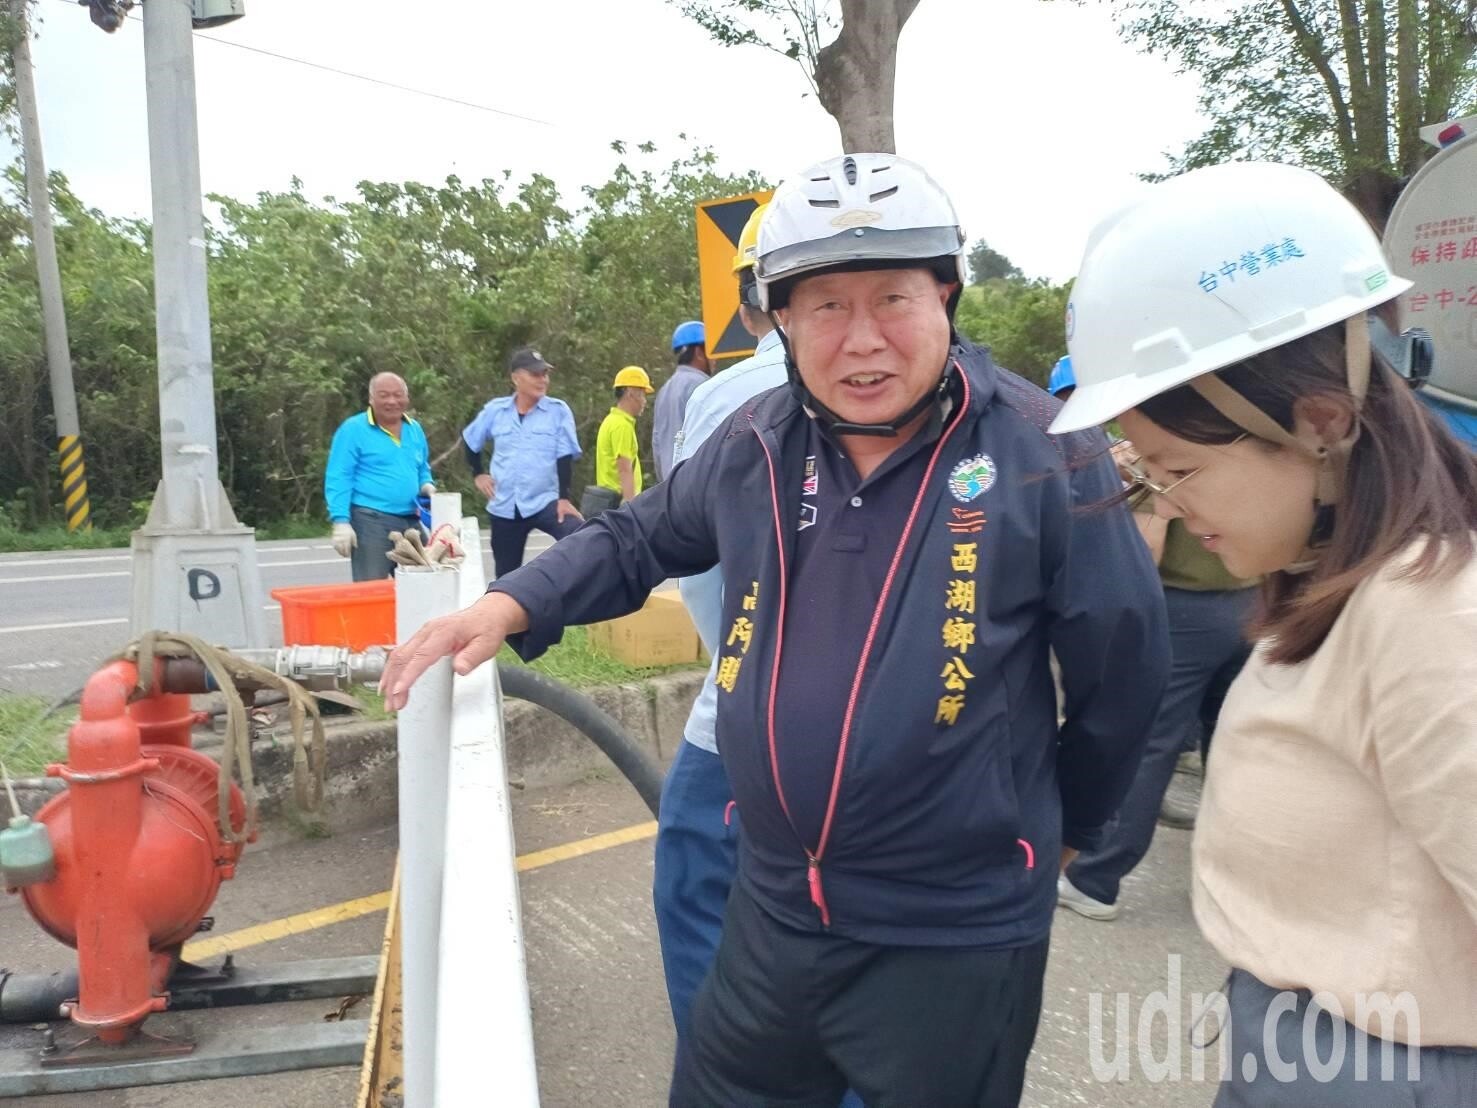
[856,208]
[1206,270]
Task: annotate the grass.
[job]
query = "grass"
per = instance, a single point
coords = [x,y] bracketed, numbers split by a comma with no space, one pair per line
[27,742]
[56,537]
[294,527]
[579,665]
[573,662]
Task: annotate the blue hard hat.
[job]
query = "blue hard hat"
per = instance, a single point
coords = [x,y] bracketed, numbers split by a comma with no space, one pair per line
[1062,376]
[688,334]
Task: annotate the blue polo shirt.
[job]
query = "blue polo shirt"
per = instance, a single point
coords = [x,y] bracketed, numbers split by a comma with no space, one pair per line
[848,531]
[372,468]
[525,452]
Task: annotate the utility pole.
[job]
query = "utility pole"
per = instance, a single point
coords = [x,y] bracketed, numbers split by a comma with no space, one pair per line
[49,280]
[194,563]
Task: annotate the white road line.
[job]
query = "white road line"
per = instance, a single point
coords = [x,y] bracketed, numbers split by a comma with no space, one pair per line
[90,623]
[62,626]
[20,558]
[128,573]
[17,560]
[61,577]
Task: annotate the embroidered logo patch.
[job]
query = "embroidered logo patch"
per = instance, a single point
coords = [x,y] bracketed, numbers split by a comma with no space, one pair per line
[809,516]
[972,478]
[811,485]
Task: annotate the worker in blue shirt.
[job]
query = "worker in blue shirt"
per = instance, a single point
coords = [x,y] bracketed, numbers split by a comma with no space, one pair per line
[697,838]
[378,464]
[670,407]
[534,447]
[903,545]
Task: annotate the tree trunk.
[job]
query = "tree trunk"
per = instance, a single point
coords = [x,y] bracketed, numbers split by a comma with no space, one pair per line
[855,75]
[1377,48]
[1450,41]
[1366,140]
[1314,50]
[1408,85]
[1373,191]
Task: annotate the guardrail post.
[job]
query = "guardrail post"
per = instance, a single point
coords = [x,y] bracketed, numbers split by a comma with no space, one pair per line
[424,728]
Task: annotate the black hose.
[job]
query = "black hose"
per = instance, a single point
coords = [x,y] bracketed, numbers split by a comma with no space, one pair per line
[585,716]
[35,997]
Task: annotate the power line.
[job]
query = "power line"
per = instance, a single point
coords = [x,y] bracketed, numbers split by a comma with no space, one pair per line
[355,76]
[377,81]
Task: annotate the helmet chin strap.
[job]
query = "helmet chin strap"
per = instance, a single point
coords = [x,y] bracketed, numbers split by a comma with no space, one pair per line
[1333,461]
[838,426]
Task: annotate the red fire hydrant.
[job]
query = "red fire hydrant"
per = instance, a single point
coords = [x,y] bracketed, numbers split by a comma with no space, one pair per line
[139,855]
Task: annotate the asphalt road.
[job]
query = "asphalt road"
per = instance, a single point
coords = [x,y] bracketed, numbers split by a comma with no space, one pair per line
[602,1029]
[63,612]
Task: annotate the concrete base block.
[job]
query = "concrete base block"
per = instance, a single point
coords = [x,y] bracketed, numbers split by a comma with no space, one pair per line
[542,750]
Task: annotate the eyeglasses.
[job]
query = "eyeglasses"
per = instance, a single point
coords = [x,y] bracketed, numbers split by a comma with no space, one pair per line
[1139,479]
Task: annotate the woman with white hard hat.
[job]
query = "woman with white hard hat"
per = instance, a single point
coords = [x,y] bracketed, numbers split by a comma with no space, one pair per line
[1222,321]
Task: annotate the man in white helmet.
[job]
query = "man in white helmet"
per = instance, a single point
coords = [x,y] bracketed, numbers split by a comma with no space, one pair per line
[902,545]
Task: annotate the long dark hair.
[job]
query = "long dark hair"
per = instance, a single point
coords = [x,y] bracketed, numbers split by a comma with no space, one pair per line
[1408,478]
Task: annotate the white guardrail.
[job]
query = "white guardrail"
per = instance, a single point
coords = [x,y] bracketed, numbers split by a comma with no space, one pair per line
[467,1027]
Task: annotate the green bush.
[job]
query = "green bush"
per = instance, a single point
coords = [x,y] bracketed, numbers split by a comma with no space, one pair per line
[310,298]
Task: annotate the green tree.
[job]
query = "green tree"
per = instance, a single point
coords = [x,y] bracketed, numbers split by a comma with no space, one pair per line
[310,298]
[847,50]
[986,264]
[1340,86]
[1020,321]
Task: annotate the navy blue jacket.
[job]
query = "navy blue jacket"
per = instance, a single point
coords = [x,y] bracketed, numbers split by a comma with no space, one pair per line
[944,833]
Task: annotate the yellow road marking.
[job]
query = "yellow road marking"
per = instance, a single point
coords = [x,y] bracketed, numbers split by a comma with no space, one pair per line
[541,858]
[366,905]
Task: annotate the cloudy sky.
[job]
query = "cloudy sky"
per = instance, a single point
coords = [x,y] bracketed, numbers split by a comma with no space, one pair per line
[1031,112]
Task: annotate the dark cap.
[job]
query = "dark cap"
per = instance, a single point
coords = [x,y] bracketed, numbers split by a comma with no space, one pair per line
[526,357]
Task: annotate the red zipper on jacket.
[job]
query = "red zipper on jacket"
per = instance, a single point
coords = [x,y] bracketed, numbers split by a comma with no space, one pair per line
[813,857]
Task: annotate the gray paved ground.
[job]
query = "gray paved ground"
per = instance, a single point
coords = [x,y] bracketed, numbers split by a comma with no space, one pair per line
[63,612]
[601,1022]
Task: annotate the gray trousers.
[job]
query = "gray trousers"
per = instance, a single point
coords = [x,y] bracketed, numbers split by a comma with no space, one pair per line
[1319,1059]
[372,532]
[1207,647]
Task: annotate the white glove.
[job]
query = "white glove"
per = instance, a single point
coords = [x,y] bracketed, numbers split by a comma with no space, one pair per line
[344,539]
[428,489]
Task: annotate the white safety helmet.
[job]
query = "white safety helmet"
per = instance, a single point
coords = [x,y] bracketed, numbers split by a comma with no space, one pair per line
[852,209]
[1208,269]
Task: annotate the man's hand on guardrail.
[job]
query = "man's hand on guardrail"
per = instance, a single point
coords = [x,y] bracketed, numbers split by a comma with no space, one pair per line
[472,636]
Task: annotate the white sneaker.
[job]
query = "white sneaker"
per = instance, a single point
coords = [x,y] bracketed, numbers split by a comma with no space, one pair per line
[1070,896]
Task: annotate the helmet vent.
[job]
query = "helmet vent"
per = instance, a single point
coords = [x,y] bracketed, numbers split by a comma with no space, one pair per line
[831,203]
[848,167]
[884,194]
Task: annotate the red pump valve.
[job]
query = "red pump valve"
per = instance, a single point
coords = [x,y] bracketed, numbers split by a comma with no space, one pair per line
[139,855]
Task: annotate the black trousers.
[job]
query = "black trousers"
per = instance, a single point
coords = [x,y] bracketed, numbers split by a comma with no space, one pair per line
[510,536]
[790,1019]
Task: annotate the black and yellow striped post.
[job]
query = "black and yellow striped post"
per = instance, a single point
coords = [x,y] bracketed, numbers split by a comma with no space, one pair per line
[74,483]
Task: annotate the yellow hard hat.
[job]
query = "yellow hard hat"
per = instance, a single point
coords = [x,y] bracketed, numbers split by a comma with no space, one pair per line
[748,243]
[633,377]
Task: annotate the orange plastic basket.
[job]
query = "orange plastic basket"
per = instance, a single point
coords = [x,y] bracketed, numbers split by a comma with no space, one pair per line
[357,616]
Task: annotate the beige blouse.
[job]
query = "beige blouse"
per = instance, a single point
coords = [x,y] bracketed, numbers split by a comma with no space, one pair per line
[1336,845]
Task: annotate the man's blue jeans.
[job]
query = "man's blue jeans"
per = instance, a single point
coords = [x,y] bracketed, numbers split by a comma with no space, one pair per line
[1207,647]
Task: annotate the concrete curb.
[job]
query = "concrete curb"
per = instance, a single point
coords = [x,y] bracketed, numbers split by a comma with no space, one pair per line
[542,750]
